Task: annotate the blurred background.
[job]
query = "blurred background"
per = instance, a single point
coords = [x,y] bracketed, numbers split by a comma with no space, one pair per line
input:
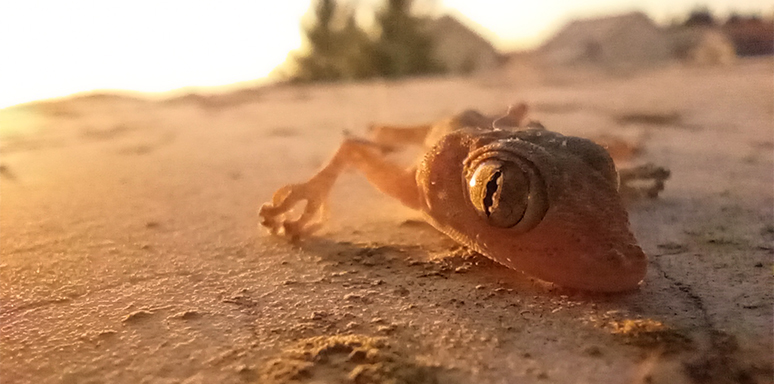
[53,49]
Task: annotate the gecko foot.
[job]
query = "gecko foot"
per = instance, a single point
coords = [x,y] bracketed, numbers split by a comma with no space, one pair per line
[275,214]
[643,181]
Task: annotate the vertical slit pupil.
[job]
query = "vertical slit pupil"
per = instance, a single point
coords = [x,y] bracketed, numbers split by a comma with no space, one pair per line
[491,189]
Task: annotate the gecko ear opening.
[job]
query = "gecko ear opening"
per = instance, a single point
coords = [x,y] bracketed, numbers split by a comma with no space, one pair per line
[508,194]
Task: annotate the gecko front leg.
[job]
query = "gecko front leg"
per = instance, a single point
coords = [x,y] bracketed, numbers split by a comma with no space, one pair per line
[363,155]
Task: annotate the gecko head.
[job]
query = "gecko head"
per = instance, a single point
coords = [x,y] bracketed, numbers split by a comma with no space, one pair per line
[537,202]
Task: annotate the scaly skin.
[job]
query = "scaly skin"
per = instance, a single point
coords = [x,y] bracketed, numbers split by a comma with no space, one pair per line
[583,241]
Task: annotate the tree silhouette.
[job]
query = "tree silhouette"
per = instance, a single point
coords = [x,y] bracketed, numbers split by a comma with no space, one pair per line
[319,63]
[340,49]
[701,17]
[402,47]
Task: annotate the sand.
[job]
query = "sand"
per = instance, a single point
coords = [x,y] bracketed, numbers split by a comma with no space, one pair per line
[131,251]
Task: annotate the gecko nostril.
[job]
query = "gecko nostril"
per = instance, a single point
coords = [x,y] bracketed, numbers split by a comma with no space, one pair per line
[614,256]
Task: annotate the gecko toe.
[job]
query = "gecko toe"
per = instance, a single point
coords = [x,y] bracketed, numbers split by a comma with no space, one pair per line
[274,214]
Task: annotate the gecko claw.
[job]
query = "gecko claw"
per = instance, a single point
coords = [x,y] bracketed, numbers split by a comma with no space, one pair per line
[275,214]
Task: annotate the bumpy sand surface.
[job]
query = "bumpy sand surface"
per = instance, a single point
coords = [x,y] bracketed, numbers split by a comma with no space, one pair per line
[131,252]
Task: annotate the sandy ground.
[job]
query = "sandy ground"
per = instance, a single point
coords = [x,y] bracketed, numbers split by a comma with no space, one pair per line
[131,250]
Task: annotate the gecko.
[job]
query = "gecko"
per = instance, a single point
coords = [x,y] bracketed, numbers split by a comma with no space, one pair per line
[534,200]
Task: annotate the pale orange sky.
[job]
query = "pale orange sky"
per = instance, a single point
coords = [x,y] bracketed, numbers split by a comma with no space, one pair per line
[52,48]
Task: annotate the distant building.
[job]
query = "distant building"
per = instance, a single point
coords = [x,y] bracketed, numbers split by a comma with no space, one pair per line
[752,36]
[626,41]
[702,46]
[459,48]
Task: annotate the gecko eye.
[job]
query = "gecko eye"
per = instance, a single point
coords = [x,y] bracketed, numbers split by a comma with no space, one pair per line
[507,194]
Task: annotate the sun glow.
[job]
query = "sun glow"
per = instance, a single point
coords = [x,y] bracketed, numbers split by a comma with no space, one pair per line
[54,48]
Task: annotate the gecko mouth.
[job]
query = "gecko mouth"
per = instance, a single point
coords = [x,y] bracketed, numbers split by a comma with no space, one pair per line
[506,189]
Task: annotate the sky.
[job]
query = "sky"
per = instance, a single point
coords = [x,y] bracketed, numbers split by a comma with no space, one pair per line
[53,48]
